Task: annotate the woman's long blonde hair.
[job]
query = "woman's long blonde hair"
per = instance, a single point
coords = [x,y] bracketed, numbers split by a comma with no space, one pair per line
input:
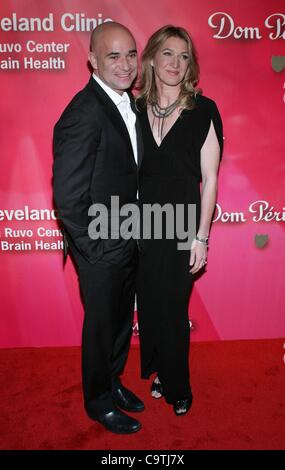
[147,87]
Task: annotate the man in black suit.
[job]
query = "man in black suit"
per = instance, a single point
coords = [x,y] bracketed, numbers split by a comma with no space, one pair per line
[97,152]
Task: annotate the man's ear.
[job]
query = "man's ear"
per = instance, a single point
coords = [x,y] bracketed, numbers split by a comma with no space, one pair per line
[92,59]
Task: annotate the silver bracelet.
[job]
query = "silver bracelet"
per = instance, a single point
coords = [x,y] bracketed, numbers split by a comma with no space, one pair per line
[204,241]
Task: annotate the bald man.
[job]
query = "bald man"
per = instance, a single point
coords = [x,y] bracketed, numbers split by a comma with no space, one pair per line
[97,153]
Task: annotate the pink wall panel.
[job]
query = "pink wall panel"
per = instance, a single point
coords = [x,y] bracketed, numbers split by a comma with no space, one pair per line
[242,293]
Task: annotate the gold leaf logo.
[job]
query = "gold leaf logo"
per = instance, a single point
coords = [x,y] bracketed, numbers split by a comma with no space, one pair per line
[261,241]
[278,62]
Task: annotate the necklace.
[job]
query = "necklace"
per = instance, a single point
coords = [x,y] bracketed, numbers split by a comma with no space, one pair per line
[161,114]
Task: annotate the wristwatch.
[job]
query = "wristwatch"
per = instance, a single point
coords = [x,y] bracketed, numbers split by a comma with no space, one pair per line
[202,240]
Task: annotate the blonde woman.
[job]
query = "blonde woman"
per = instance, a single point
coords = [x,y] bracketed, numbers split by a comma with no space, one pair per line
[182,135]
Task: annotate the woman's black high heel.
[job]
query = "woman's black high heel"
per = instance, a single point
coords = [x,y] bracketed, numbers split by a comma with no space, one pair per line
[156,388]
[181,407]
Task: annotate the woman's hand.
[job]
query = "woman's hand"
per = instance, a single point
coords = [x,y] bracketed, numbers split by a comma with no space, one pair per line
[198,257]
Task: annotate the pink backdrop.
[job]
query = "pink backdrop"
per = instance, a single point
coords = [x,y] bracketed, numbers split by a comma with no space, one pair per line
[242,294]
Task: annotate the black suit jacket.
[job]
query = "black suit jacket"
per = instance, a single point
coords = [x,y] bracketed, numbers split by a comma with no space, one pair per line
[93,160]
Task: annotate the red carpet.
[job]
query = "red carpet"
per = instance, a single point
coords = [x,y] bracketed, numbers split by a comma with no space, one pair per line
[239,401]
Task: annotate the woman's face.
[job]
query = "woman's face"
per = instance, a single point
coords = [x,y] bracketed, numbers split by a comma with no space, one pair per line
[171,61]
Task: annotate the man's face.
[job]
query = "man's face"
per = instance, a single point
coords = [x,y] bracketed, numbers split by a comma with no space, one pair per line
[114,59]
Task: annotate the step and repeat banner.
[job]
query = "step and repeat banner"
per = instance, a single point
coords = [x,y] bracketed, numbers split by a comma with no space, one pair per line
[43,63]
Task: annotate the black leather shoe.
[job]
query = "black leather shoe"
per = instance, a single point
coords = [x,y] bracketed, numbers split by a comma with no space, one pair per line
[125,399]
[181,407]
[156,389]
[117,422]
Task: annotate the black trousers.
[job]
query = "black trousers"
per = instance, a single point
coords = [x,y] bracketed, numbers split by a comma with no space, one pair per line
[108,293]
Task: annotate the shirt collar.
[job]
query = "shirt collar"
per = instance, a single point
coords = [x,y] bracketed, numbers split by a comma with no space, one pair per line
[115,97]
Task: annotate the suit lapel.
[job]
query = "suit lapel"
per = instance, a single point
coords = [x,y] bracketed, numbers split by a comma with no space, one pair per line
[138,131]
[139,142]
[111,111]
